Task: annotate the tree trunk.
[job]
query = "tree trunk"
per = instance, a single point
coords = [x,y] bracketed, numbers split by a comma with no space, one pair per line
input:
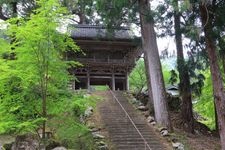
[81,13]
[150,99]
[223,63]
[184,85]
[82,18]
[216,119]
[218,89]
[150,48]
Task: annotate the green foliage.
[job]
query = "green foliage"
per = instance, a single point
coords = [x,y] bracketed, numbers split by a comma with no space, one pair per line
[82,102]
[17,107]
[169,71]
[71,134]
[205,103]
[117,13]
[101,87]
[35,72]
[197,84]
[166,73]
[137,78]
[84,9]
[66,123]
[138,81]
[173,77]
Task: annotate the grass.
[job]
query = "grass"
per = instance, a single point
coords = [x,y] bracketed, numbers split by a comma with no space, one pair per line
[100,87]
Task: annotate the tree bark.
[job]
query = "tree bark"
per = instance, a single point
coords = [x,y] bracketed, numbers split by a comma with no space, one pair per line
[81,12]
[82,18]
[150,48]
[150,99]
[218,88]
[223,63]
[216,119]
[184,85]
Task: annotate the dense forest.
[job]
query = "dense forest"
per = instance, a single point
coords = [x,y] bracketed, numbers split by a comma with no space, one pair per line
[34,77]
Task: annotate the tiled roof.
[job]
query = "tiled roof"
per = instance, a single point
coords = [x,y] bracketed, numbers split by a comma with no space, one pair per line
[100,32]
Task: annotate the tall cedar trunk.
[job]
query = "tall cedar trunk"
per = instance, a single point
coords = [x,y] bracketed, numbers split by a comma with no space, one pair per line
[223,63]
[184,86]
[82,18]
[150,48]
[150,101]
[81,13]
[218,89]
[216,118]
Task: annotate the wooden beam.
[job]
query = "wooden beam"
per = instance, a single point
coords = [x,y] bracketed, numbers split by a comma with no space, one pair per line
[100,77]
[113,82]
[127,82]
[102,42]
[88,81]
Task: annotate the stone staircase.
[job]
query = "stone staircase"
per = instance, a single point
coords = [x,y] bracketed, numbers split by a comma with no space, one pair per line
[122,133]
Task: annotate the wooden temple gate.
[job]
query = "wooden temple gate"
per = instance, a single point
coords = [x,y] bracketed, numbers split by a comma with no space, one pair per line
[108,59]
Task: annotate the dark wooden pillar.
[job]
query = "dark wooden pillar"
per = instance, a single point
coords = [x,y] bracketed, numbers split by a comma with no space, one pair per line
[127,82]
[113,82]
[88,81]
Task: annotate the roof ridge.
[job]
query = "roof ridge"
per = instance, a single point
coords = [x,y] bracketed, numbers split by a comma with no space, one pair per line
[98,27]
[100,32]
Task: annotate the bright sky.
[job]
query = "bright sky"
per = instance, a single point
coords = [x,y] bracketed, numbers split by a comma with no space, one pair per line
[167,42]
[163,43]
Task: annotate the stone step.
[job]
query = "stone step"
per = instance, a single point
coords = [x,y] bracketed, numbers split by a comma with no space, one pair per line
[121,131]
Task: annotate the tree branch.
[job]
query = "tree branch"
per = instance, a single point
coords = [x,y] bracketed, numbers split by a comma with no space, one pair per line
[74,20]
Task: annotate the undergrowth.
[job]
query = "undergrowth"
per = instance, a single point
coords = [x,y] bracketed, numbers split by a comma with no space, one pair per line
[67,127]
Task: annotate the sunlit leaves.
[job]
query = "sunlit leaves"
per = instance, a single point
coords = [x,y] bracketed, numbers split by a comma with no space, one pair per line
[137,78]
[173,77]
[37,69]
[205,104]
